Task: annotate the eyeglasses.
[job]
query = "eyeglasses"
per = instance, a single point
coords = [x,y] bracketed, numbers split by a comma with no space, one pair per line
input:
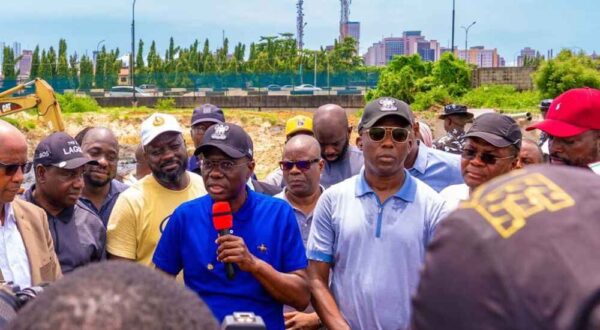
[225,166]
[485,157]
[302,165]
[377,134]
[11,169]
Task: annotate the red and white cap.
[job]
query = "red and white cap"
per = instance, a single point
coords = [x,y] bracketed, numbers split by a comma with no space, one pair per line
[572,113]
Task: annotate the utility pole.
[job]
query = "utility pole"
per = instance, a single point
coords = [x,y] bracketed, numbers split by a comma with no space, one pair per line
[467,40]
[453,17]
[132,61]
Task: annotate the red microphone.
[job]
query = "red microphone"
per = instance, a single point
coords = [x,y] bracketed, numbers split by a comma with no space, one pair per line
[223,221]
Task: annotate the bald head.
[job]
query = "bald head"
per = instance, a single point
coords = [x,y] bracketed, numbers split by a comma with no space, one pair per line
[330,125]
[13,151]
[103,134]
[330,114]
[306,143]
[11,135]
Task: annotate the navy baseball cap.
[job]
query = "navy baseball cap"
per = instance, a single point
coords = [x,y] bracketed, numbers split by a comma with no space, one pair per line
[383,107]
[207,113]
[229,138]
[455,109]
[62,151]
[496,129]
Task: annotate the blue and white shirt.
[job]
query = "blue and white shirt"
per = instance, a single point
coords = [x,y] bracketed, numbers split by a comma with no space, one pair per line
[375,249]
[14,261]
[438,169]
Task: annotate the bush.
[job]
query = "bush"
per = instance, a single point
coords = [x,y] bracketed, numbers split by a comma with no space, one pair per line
[500,97]
[70,103]
[165,104]
[565,72]
[437,96]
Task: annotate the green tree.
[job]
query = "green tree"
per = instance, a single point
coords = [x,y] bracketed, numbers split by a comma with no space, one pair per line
[565,72]
[62,67]
[86,73]
[453,74]
[8,64]
[35,63]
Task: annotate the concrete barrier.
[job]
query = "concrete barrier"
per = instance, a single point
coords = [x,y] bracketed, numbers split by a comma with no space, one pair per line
[244,102]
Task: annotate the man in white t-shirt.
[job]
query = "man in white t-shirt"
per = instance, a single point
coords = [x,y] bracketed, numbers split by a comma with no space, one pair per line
[491,149]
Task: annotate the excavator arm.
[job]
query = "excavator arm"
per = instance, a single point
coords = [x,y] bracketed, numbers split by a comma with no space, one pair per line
[44,100]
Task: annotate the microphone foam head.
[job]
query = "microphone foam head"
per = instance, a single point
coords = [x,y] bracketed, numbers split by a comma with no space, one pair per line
[222,218]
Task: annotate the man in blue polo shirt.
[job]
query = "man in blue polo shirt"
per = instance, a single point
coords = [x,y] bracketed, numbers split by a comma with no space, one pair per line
[265,244]
[371,231]
[438,169]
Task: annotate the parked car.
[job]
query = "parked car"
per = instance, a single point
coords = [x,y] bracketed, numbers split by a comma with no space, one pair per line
[307,87]
[287,87]
[273,87]
[148,88]
[126,91]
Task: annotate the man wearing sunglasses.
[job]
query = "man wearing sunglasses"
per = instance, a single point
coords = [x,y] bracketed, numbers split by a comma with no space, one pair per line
[263,245]
[27,254]
[573,128]
[332,130]
[301,167]
[78,233]
[371,231]
[491,149]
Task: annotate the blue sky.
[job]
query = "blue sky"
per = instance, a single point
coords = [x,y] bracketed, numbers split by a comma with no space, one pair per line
[506,25]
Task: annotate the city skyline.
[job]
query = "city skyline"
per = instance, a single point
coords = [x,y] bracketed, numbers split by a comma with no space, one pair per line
[508,27]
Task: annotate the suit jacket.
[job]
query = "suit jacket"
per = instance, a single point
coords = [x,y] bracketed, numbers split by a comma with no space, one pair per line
[33,226]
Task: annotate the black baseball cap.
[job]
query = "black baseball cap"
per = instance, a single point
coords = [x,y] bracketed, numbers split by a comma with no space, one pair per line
[496,129]
[382,107]
[207,113]
[545,104]
[229,138]
[62,151]
[520,254]
[455,109]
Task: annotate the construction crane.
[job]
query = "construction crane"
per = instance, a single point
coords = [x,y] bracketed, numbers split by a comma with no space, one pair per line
[300,24]
[43,99]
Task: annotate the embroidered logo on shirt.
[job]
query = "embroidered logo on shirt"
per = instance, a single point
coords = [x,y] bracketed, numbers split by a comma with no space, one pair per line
[262,248]
[507,208]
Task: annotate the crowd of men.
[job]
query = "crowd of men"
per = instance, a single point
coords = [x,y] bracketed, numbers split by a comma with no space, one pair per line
[397,232]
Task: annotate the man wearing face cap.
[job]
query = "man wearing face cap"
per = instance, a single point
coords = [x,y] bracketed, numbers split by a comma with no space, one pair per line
[78,233]
[264,244]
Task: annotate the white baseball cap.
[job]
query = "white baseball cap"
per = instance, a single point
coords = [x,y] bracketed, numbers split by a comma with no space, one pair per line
[157,124]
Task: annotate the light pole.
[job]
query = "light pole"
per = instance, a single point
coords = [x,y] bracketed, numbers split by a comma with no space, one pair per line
[453,15]
[467,40]
[132,61]
[97,52]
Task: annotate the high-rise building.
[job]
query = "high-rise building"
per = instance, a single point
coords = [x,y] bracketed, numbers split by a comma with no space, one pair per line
[393,46]
[481,57]
[376,54]
[351,29]
[2,45]
[526,53]
[24,64]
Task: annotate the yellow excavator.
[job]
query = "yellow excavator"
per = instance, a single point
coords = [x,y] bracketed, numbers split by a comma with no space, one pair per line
[43,99]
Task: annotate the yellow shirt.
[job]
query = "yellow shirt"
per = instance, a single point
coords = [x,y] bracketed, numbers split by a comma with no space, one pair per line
[141,214]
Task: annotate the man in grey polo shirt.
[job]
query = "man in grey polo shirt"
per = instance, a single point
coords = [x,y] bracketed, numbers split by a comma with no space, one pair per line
[78,233]
[331,128]
[371,231]
[301,167]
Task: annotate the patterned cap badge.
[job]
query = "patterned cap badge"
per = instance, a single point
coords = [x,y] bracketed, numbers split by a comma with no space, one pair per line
[220,132]
[388,104]
[158,121]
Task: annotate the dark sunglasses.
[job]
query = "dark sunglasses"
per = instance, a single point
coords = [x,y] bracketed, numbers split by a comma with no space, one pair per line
[399,134]
[302,165]
[11,169]
[485,157]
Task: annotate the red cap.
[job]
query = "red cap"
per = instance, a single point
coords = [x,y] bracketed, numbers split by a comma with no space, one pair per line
[572,113]
[222,218]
